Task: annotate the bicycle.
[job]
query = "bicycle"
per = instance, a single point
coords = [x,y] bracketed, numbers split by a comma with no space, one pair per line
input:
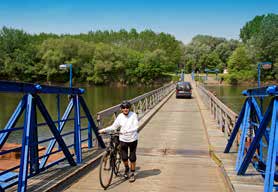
[110,161]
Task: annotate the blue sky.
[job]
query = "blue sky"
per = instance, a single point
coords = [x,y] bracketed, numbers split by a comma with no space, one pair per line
[181,18]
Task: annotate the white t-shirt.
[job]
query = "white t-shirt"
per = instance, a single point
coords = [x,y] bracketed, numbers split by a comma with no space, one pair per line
[128,125]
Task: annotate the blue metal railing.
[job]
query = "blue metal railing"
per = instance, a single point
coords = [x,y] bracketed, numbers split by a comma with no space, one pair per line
[252,119]
[31,163]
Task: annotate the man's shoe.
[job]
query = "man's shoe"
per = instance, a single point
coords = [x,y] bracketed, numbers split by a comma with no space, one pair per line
[131,178]
[126,175]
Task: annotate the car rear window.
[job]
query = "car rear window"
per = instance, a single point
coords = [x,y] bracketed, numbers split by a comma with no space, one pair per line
[184,85]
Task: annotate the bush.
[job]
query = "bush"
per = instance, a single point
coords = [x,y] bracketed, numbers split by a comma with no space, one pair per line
[239,76]
[232,78]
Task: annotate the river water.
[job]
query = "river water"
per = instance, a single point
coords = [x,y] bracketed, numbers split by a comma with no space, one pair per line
[97,98]
[232,97]
[102,97]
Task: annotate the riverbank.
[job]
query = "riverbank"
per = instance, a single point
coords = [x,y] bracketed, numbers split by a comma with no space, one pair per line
[250,83]
[154,84]
[165,79]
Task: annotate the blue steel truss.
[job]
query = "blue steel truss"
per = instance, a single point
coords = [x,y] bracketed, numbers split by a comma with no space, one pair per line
[251,115]
[29,104]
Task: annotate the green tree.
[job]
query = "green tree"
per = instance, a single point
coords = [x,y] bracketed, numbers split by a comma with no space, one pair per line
[212,61]
[239,60]
[103,64]
[151,66]
[251,28]
[262,42]
[225,49]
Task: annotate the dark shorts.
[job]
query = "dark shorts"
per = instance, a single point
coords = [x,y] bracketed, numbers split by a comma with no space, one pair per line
[132,150]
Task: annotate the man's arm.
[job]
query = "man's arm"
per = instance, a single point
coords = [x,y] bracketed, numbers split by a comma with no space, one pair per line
[114,126]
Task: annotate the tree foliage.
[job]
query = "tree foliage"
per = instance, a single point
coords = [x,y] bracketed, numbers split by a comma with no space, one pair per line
[128,57]
[99,57]
[208,52]
[262,42]
[259,43]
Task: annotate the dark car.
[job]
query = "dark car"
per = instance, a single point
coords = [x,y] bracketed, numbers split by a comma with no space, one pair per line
[183,89]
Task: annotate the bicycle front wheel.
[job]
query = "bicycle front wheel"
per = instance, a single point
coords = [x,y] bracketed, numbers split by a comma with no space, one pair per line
[117,166]
[105,170]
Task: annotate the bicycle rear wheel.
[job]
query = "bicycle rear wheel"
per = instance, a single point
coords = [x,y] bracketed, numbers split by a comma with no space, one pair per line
[105,170]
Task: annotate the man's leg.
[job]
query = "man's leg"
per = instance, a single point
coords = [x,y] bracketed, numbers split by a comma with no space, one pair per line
[132,158]
[132,166]
[124,154]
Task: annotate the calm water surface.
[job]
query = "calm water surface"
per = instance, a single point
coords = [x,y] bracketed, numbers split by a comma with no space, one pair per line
[97,98]
[232,97]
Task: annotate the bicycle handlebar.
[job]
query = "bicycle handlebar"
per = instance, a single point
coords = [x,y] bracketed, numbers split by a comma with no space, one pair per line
[113,133]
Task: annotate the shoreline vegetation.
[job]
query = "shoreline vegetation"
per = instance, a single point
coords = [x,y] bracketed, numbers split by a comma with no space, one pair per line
[258,43]
[218,82]
[99,57]
[138,58]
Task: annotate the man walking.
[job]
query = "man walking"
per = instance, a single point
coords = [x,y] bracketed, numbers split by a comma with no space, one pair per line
[127,121]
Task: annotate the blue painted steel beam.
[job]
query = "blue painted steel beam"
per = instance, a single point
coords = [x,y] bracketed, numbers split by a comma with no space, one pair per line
[13,120]
[58,113]
[8,86]
[33,142]
[62,124]
[91,121]
[272,90]
[262,91]
[236,128]
[54,152]
[244,128]
[256,140]
[11,130]
[211,70]
[9,151]
[53,138]
[272,150]
[259,115]
[54,130]
[257,109]
[90,136]
[77,132]
[256,92]
[24,156]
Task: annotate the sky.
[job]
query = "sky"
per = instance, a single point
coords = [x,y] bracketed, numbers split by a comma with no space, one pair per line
[181,18]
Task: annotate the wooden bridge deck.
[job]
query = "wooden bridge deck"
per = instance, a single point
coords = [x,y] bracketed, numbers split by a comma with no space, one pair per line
[172,155]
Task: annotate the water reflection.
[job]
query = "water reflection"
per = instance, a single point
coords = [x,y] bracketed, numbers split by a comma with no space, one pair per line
[232,97]
[96,97]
